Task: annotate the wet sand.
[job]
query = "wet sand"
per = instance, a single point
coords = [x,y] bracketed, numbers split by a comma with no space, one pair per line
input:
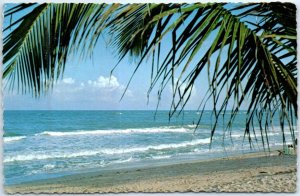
[248,173]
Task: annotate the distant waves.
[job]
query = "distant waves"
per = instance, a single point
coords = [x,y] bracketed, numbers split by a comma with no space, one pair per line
[121,131]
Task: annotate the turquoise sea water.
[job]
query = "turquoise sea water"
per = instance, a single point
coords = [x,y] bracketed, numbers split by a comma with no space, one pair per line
[46,144]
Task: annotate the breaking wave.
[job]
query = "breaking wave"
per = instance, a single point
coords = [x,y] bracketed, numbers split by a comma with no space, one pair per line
[111,151]
[112,132]
[12,139]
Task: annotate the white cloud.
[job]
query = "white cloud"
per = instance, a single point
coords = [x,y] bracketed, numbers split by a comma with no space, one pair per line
[103,89]
[103,92]
[100,84]
[68,81]
[105,82]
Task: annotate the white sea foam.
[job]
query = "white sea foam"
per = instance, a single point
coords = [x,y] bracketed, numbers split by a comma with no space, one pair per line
[192,126]
[111,151]
[48,166]
[236,135]
[264,135]
[161,157]
[40,156]
[122,161]
[112,132]
[13,139]
[167,129]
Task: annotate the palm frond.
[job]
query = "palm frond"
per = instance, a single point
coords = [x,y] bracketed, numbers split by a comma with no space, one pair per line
[247,50]
[255,44]
[36,51]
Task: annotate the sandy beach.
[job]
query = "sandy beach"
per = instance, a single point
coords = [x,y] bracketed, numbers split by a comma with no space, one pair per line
[248,173]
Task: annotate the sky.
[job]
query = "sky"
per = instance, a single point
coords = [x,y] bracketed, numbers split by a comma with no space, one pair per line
[87,84]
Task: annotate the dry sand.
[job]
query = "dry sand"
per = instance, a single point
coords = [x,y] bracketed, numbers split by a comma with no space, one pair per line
[248,173]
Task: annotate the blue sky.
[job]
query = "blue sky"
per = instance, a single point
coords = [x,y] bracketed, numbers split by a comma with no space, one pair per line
[87,84]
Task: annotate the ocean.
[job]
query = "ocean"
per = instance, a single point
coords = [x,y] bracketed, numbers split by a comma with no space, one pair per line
[47,144]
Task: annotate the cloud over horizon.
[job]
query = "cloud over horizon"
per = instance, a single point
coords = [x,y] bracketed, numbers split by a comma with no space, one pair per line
[101,93]
[68,81]
[68,93]
[110,83]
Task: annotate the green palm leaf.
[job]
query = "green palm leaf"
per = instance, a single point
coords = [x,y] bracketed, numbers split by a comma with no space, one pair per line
[247,50]
[36,51]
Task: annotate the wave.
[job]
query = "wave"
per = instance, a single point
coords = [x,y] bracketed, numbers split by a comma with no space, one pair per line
[48,166]
[13,139]
[112,132]
[110,151]
[258,134]
[192,126]
[122,161]
[161,157]
[158,147]
[236,135]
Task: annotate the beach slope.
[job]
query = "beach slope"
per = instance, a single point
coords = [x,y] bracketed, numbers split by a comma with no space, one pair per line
[247,173]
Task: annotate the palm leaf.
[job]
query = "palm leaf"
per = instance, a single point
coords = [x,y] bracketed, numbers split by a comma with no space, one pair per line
[35,52]
[253,66]
[248,51]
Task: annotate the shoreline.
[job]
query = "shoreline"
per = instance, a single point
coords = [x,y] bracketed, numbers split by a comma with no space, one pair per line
[253,172]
